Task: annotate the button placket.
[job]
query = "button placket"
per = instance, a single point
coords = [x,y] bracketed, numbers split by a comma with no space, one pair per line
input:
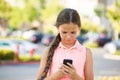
[67,54]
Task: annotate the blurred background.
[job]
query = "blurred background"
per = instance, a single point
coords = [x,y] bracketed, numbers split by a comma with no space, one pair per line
[27,27]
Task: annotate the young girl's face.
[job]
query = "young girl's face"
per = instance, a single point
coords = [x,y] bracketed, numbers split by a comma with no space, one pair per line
[68,33]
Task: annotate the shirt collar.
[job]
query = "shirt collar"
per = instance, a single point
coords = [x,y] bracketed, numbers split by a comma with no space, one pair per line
[77,45]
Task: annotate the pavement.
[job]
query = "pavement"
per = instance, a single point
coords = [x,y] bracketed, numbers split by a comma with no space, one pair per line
[106,54]
[111,56]
[18,62]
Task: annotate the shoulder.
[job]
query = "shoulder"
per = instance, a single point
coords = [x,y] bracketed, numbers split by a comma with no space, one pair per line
[88,52]
[45,53]
[89,57]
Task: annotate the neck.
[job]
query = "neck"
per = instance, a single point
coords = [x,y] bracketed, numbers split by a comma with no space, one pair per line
[68,45]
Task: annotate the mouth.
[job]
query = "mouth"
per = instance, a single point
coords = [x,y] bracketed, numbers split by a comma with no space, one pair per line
[68,40]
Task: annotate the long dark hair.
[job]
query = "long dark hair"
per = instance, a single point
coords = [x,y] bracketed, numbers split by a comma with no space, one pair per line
[65,16]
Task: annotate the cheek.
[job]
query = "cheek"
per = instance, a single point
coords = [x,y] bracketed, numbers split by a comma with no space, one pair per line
[62,35]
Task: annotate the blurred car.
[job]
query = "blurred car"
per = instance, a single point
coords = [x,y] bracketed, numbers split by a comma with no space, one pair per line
[112,46]
[26,46]
[8,45]
[37,37]
[47,39]
[23,47]
[82,38]
[34,36]
[102,39]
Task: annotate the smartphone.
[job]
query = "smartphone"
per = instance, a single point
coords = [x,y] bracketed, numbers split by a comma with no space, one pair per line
[65,61]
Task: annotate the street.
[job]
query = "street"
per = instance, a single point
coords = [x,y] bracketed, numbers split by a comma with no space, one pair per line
[102,67]
[18,72]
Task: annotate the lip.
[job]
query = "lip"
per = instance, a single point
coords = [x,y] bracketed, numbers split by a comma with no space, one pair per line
[68,40]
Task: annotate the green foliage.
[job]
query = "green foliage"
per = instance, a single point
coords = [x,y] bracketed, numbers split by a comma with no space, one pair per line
[32,14]
[117,52]
[42,4]
[5,8]
[45,11]
[17,15]
[89,26]
[113,13]
[99,10]
[91,45]
[49,13]
[117,3]
[24,58]
[7,54]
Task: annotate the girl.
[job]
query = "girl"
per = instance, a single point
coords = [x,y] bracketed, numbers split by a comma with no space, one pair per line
[66,46]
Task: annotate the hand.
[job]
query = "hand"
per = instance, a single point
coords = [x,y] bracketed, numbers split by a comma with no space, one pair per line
[70,71]
[56,76]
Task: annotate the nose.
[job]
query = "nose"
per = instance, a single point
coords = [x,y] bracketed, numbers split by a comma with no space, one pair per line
[68,36]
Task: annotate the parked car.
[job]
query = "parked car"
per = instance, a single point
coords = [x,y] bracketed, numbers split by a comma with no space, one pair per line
[47,39]
[22,46]
[37,37]
[101,41]
[112,46]
[82,38]
[33,36]
[26,46]
[8,45]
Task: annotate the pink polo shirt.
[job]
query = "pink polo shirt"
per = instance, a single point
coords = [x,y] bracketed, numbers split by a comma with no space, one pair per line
[77,53]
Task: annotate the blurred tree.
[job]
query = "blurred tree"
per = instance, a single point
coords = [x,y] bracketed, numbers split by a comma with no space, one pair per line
[99,10]
[5,8]
[43,10]
[23,15]
[17,15]
[30,11]
[15,18]
[49,13]
[89,26]
[113,14]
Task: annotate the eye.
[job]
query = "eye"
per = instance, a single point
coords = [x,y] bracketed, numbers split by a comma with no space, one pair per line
[64,32]
[73,32]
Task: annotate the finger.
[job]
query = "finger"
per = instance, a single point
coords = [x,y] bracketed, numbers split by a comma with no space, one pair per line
[67,69]
[70,65]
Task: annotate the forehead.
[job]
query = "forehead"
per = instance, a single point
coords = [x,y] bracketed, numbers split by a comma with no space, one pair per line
[69,26]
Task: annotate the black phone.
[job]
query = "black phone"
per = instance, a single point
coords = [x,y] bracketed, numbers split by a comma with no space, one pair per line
[65,61]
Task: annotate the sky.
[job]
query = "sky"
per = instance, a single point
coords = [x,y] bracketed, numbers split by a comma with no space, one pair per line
[86,7]
[19,3]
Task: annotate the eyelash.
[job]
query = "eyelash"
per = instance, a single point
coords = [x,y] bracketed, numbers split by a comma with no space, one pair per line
[66,32]
[73,32]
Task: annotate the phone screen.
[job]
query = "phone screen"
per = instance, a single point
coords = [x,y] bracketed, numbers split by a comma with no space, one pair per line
[65,61]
